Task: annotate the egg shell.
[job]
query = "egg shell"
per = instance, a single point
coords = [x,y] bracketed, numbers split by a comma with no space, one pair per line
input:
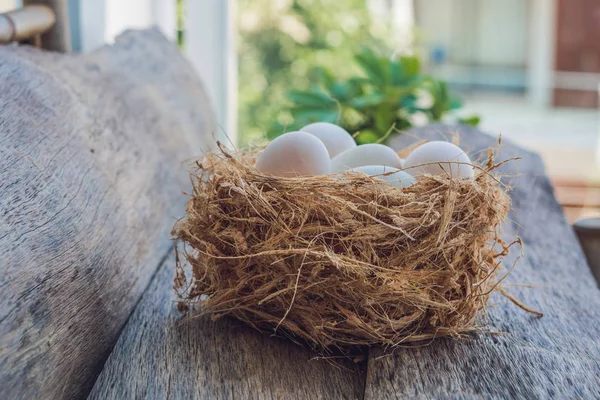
[439,158]
[294,154]
[335,138]
[391,175]
[366,154]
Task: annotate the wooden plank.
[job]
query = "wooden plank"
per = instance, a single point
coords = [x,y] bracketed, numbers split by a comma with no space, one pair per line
[160,357]
[573,214]
[567,183]
[551,357]
[578,196]
[92,163]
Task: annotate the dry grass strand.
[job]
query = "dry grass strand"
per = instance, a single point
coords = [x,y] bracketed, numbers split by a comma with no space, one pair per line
[340,261]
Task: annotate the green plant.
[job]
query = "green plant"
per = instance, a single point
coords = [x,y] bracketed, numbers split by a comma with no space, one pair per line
[391,93]
[281,42]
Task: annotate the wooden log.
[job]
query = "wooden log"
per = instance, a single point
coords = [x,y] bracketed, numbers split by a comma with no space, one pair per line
[58,38]
[551,357]
[25,23]
[93,158]
[158,356]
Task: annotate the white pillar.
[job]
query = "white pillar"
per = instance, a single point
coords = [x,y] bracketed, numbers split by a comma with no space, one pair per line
[209,41]
[92,24]
[542,39]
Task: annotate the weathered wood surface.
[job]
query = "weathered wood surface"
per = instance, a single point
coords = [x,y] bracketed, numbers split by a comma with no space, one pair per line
[158,357]
[93,155]
[556,356]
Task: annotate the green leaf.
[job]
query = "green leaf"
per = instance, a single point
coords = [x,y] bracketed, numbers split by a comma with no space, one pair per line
[366,136]
[405,71]
[310,115]
[395,94]
[408,102]
[443,92]
[388,94]
[402,124]
[278,129]
[345,91]
[396,73]
[376,69]
[384,119]
[385,67]
[455,103]
[439,90]
[272,134]
[411,66]
[473,120]
[359,81]
[310,99]
[325,77]
[367,101]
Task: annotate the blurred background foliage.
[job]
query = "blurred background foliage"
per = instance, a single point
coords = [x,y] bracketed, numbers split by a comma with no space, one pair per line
[390,95]
[283,43]
[302,61]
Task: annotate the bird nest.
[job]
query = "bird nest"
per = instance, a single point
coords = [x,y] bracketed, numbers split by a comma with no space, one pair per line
[343,260]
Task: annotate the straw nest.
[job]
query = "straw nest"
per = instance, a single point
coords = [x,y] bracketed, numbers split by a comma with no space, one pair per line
[340,261]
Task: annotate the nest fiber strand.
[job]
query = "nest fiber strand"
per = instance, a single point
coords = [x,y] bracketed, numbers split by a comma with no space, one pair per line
[340,261]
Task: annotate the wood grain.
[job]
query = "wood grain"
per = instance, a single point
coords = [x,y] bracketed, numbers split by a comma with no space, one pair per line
[93,155]
[552,357]
[557,356]
[159,356]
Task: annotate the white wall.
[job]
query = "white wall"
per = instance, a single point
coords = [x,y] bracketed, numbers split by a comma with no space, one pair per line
[502,32]
[484,32]
[7,5]
[518,35]
[435,21]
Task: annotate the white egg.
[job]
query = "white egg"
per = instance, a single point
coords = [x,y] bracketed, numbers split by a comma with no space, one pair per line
[439,158]
[294,154]
[335,138]
[392,175]
[366,154]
